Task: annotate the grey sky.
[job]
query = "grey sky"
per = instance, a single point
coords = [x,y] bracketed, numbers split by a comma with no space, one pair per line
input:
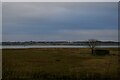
[59,21]
[0,21]
[60,0]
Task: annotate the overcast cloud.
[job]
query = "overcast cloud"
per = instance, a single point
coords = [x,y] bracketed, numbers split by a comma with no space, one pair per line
[59,21]
[60,0]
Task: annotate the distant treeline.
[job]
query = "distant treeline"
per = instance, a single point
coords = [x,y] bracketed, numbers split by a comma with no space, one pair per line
[59,43]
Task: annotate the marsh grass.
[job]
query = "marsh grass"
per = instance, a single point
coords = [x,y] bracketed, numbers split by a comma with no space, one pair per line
[59,64]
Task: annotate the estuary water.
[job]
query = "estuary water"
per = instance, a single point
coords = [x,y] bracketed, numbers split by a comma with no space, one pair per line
[51,46]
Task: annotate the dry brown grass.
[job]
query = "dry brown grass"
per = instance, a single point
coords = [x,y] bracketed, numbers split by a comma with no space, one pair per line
[59,64]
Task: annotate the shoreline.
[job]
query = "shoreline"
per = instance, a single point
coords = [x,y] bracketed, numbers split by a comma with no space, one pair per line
[51,46]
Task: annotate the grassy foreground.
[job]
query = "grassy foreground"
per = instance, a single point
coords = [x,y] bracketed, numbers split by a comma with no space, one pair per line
[58,64]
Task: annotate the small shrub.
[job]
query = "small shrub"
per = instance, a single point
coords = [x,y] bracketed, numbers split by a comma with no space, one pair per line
[102,52]
[57,60]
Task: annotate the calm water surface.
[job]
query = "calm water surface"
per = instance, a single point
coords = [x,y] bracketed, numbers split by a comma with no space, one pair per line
[53,46]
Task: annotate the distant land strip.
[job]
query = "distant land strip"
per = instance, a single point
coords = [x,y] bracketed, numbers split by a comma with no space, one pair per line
[82,43]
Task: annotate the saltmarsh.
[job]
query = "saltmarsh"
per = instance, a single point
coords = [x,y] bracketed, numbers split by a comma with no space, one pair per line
[58,64]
